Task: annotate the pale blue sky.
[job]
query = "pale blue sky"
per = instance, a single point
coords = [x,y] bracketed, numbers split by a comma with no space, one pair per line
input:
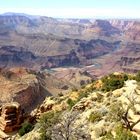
[74,8]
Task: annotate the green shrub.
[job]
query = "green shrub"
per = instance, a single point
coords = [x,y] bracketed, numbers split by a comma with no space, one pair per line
[125,77]
[82,95]
[71,103]
[123,134]
[108,136]
[48,120]
[113,82]
[116,112]
[137,77]
[26,127]
[99,97]
[45,135]
[95,117]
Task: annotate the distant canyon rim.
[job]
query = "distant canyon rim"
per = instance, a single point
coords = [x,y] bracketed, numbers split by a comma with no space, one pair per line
[96,46]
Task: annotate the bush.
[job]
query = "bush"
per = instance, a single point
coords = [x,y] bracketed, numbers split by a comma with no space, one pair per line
[71,103]
[116,112]
[108,136]
[45,135]
[82,95]
[47,121]
[49,118]
[95,117]
[113,82]
[99,97]
[137,78]
[123,134]
[26,127]
[125,77]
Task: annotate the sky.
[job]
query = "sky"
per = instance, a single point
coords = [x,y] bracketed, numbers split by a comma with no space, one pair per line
[74,8]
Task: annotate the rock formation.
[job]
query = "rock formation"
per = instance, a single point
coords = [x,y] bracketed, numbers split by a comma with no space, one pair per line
[133,33]
[11,117]
[22,86]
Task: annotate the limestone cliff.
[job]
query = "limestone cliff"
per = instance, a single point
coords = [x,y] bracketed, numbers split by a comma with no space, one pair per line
[22,86]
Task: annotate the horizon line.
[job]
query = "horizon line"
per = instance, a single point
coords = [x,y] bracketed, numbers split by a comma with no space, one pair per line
[60,17]
[88,13]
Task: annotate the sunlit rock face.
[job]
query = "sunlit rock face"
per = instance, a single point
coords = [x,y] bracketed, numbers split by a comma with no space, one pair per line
[11,117]
[22,86]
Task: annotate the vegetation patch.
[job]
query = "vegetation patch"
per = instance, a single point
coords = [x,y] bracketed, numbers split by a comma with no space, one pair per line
[71,103]
[112,82]
[26,127]
[95,117]
[120,134]
[47,121]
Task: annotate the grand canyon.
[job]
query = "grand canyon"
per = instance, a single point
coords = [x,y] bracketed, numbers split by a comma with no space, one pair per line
[58,64]
[44,43]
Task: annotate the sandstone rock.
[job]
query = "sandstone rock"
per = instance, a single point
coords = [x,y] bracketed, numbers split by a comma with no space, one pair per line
[21,86]
[11,117]
[47,105]
[83,104]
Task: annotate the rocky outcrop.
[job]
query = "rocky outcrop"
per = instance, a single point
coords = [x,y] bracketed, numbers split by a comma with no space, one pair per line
[11,117]
[22,86]
[62,60]
[106,29]
[130,70]
[41,57]
[133,32]
[15,56]
[126,60]
[130,61]
[122,24]
[94,48]
[74,76]
[13,20]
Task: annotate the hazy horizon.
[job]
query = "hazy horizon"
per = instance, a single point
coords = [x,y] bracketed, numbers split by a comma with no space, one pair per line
[103,9]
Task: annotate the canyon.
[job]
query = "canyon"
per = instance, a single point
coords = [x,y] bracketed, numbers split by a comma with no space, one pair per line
[46,61]
[41,43]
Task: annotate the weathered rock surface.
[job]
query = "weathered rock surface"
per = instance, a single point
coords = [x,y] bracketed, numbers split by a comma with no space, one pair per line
[131,60]
[22,86]
[133,33]
[11,117]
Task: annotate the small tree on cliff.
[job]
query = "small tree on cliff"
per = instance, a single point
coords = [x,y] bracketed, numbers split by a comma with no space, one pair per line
[67,129]
[62,128]
[119,113]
